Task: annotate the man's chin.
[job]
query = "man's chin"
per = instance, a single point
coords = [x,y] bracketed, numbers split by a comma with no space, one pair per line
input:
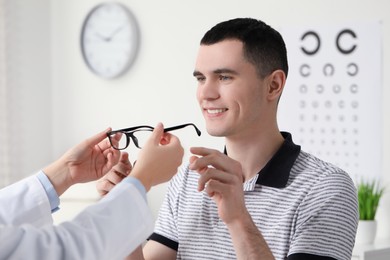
[215,132]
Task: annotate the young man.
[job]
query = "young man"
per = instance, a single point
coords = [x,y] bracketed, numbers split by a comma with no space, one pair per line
[111,228]
[262,197]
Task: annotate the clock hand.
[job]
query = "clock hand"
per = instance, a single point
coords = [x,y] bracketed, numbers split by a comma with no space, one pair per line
[106,39]
[109,38]
[118,29]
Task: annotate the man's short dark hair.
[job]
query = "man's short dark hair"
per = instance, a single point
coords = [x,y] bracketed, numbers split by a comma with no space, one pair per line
[263,46]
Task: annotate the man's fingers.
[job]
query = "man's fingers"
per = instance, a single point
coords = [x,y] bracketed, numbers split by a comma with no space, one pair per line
[215,159]
[193,159]
[214,187]
[212,174]
[202,151]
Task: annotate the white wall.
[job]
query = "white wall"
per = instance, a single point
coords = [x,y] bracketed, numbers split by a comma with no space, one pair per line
[160,86]
[28,101]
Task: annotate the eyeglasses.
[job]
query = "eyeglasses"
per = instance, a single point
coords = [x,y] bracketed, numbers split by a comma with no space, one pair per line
[139,135]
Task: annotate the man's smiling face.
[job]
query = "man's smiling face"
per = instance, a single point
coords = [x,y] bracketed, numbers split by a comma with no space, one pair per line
[230,92]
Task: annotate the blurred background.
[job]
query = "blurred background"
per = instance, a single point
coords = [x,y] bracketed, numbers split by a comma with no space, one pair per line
[50,100]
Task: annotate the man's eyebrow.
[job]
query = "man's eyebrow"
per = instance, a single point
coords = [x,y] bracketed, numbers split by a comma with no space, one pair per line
[222,71]
[217,71]
[197,73]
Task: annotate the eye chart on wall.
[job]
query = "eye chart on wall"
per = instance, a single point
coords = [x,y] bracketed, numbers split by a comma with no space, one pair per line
[332,99]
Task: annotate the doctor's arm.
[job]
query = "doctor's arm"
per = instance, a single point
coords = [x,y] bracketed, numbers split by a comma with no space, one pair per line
[87,161]
[32,199]
[111,228]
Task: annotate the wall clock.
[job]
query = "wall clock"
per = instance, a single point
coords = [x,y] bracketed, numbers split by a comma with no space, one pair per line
[109,39]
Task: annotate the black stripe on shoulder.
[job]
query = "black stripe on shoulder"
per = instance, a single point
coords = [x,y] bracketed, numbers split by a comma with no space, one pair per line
[303,256]
[165,241]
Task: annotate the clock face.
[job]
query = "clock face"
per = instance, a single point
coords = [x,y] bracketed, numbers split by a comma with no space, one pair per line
[109,40]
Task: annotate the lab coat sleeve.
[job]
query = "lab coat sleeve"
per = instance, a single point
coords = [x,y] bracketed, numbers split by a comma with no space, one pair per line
[25,202]
[109,229]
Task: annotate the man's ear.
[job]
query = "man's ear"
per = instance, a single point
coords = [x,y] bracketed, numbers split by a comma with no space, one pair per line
[276,82]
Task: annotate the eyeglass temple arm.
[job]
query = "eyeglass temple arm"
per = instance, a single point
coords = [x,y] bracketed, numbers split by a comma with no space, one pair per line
[182,126]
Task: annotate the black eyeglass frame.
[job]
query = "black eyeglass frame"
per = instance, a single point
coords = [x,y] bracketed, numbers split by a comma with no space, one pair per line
[129,133]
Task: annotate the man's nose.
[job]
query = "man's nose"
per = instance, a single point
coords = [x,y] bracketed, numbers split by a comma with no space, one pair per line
[208,90]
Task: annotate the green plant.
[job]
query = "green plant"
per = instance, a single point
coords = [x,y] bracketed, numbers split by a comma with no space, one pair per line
[369,194]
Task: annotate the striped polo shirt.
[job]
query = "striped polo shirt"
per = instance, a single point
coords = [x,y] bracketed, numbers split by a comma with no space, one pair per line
[299,203]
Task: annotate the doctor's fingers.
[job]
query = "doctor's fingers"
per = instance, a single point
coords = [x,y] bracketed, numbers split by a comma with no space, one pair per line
[103,186]
[108,182]
[124,166]
[98,139]
[211,175]
[118,173]
[104,145]
[112,157]
[115,175]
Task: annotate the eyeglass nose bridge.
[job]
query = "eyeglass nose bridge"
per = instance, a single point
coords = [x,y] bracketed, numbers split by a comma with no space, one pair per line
[134,138]
[127,141]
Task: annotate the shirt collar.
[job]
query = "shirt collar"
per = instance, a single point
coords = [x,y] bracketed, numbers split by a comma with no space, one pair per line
[277,171]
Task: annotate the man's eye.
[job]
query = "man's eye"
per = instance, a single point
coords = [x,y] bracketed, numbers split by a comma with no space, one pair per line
[200,79]
[224,78]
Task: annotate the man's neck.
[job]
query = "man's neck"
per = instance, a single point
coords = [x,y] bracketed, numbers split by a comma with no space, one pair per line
[255,152]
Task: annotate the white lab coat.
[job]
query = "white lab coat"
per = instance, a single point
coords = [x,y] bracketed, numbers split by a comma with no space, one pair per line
[109,229]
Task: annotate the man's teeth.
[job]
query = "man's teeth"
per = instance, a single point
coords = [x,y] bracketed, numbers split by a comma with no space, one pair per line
[215,111]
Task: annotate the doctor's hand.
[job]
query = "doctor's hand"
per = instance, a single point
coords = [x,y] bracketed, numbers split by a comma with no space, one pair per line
[159,158]
[115,175]
[87,161]
[157,162]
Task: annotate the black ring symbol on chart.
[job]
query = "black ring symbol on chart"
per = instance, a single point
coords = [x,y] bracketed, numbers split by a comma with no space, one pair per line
[354,104]
[336,88]
[344,50]
[354,88]
[304,70]
[352,69]
[328,70]
[303,88]
[317,38]
[320,88]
